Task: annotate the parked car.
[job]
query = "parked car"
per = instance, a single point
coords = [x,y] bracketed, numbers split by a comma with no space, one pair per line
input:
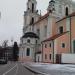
[3,61]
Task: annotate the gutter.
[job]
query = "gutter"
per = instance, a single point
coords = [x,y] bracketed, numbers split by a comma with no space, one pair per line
[70,36]
[42,51]
[53,51]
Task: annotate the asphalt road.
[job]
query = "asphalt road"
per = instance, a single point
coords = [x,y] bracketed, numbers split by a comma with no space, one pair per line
[17,68]
[14,69]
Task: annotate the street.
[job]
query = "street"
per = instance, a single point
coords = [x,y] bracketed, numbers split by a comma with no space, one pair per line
[14,69]
[17,68]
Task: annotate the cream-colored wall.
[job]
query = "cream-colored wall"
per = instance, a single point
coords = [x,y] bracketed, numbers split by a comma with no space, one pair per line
[39,56]
[23,49]
[49,27]
[40,25]
[63,24]
[60,7]
[72,31]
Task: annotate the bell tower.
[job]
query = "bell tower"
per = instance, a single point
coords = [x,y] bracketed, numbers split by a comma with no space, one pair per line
[60,8]
[51,7]
[30,16]
[31,6]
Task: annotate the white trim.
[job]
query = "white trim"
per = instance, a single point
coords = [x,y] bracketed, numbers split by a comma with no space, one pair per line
[68,24]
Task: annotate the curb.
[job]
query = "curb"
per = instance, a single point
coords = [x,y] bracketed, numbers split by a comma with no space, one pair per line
[34,71]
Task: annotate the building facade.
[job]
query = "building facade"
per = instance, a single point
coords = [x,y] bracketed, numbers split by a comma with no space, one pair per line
[52,33]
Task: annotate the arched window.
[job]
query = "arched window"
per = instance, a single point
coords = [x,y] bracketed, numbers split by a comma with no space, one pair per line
[28,52]
[32,7]
[32,20]
[66,13]
[28,41]
[61,29]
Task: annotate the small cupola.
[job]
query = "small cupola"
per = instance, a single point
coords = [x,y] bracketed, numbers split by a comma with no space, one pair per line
[51,6]
[30,35]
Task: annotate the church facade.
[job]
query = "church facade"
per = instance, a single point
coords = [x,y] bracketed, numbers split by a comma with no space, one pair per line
[46,37]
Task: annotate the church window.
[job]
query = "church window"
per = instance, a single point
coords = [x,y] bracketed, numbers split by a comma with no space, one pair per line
[63,45]
[61,29]
[32,20]
[28,52]
[28,41]
[66,13]
[32,7]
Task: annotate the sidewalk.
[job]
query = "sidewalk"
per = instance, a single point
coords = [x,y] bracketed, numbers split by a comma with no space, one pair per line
[51,69]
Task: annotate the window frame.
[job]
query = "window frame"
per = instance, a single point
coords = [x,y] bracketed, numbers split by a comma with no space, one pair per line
[63,45]
[61,29]
[66,11]
[28,40]
[28,52]
[32,7]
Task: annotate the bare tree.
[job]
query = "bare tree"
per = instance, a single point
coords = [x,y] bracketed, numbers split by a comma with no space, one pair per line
[5,43]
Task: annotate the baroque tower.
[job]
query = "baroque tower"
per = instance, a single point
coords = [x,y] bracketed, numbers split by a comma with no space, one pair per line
[60,8]
[29,39]
[30,16]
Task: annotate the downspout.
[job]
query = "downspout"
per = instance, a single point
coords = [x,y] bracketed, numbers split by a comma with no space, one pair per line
[42,51]
[53,51]
[70,36]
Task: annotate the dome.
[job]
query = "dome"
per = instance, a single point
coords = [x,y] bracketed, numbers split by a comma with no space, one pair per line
[30,34]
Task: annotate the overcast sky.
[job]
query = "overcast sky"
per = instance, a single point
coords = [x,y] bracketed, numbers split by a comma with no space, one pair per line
[11,22]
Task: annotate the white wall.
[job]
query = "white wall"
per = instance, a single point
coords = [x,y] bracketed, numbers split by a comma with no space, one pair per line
[68,58]
[49,27]
[40,57]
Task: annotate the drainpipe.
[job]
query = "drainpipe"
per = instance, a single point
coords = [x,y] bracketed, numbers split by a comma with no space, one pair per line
[70,36]
[53,51]
[42,51]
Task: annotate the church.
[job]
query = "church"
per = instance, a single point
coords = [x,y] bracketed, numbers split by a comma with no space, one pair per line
[46,37]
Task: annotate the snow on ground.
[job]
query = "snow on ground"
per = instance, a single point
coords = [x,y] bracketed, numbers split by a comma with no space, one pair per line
[54,69]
